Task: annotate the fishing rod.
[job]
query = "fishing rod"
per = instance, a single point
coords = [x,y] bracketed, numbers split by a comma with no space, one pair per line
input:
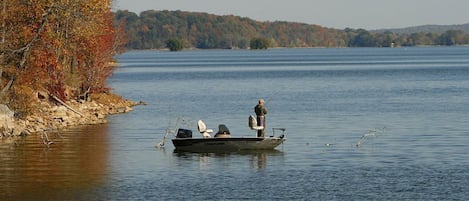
[270,97]
[169,130]
[172,129]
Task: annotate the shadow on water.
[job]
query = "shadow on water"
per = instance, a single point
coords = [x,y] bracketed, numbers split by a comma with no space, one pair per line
[77,162]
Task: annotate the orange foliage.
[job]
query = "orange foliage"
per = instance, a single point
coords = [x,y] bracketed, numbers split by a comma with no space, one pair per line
[52,45]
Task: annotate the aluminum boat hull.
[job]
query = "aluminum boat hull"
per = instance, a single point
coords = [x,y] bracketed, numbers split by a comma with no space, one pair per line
[226,144]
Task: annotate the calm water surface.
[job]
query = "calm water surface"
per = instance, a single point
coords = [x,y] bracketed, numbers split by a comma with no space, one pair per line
[326,98]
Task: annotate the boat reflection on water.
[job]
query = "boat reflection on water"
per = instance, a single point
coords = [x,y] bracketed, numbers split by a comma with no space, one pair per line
[257,159]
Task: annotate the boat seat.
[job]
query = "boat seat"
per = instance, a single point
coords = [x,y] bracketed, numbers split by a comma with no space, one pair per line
[223,132]
[203,129]
[253,124]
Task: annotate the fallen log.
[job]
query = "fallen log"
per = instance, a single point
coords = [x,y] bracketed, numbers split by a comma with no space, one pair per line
[66,105]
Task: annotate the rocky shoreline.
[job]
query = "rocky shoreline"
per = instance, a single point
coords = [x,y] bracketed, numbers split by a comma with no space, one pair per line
[56,115]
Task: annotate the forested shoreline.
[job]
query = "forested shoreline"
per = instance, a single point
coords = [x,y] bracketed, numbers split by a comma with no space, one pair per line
[59,52]
[55,57]
[151,29]
[62,49]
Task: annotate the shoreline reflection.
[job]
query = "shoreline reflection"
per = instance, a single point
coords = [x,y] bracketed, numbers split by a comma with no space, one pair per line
[77,162]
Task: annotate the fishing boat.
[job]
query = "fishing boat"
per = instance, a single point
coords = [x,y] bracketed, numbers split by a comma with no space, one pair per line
[222,140]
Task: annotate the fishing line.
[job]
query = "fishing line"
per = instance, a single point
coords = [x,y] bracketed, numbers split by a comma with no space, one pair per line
[375,132]
[270,97]
[371,133]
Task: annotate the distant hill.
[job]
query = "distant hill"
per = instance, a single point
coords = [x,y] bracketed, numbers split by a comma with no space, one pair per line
[152,29]
[427,29]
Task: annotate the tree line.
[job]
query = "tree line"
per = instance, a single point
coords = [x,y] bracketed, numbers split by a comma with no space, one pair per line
[151,29]
[59,47]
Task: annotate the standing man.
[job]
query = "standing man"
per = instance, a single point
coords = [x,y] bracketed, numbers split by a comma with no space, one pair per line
[261,111]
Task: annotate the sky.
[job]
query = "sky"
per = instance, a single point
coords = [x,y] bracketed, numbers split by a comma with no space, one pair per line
[341,14]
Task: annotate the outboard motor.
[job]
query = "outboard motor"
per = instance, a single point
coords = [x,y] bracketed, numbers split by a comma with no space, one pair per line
[184,133]
[223,132]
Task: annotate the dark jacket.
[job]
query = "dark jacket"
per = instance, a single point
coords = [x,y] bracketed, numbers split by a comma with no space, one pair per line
[260,110]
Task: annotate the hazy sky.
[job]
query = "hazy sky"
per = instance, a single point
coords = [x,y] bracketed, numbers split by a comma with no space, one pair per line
[367,14]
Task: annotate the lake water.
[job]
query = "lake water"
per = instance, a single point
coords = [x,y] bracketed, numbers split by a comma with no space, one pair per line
[327,99]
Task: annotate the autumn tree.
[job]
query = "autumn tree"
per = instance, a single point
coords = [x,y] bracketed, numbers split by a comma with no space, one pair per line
[61,47]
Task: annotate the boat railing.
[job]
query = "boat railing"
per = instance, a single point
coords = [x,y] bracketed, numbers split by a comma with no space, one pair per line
[281,130]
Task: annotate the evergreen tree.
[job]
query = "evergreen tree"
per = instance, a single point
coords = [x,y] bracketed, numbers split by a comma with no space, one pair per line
[175,44]
[259,43]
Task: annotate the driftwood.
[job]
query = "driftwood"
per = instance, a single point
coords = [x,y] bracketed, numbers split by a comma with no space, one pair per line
[67,106]
[6,88]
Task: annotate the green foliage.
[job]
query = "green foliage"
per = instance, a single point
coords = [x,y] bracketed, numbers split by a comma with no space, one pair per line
[151,29]
[363,39]
[201,30]
[453,37]
[259,43]
[175,44]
